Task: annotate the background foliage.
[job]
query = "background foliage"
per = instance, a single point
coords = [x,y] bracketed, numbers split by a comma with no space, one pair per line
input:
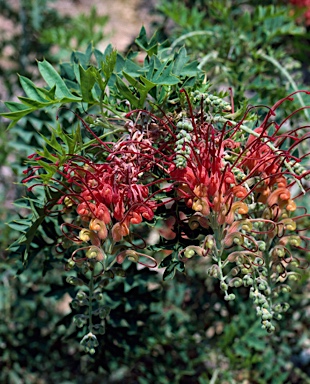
[158,330]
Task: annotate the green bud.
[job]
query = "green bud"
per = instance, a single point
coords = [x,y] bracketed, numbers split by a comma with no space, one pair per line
[266,316]
[79,320]
[75,304]
[230,297]
[262,286]
[223,286]
[81,296]
[262,246]
[292,277]
[237,282]
[71,264]
[74,281]
[259,261]
[99,296]
[189,253]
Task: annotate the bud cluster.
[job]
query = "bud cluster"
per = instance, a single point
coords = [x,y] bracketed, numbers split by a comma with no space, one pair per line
[182,147]
[212,100]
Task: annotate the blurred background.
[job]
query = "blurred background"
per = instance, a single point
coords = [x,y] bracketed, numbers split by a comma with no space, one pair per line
[179,331]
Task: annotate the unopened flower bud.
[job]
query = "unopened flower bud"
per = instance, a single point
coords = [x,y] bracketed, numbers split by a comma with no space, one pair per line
[74,281]
[223,286]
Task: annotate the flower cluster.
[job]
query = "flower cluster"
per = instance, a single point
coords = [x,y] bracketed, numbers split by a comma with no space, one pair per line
[227,192]
[237,186]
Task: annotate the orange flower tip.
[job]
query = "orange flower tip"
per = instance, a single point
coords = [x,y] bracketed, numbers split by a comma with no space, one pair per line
[291,206]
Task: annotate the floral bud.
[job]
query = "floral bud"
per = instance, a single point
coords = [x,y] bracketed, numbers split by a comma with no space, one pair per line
[84,234]
[89,341]
[247,280]
[286,289]
[285,306]
[261,246]
[74,281]
[230,297]
[79,320]
[266,315]
[99,296]
[259,261]
[213,271]
[293,277]
[294,263]
[259,311]
[209,242]
[81,295]
[223,286]
[189,253]
[278,251]
[75,304]
[267,291]
[70,264]
[237,282]
[262,286]
[92,253]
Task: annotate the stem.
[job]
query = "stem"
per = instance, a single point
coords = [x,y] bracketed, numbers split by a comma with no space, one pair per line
[281,68]
[190,34]
[218,236]
[93,141]
[214,376]
[211,55]
[90,306]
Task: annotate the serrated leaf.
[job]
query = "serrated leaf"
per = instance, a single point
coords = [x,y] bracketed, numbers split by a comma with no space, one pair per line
[109,64]
[87,81]
[100,57]
[151,46]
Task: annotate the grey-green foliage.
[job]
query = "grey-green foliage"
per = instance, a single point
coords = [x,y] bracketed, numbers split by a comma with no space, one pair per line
[247,47]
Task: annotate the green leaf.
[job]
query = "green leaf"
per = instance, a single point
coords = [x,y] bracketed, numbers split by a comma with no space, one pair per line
[151,46]
[170,271]
[126,92]
[52,78]
[13,106]
[30,89]
[87,81]
[108,65]
[167,260]
[34,103]
[180,60]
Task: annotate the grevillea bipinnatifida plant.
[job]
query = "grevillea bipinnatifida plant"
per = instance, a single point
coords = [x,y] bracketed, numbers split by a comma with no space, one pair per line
[226,192]
[201,182]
